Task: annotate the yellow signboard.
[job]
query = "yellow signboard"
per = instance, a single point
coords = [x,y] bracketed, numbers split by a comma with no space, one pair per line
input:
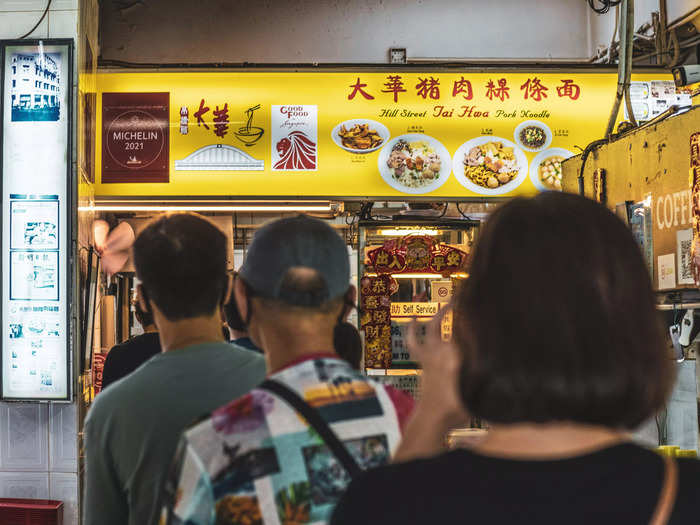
[414,309]
[392,134]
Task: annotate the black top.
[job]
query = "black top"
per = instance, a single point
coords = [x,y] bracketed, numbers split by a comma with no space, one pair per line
[247,343]
[620,484]
[126,357]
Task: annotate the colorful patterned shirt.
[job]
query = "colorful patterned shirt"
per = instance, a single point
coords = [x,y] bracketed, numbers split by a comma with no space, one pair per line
[256,461]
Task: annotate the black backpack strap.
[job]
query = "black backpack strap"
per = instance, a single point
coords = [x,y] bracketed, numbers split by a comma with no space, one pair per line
[315,420]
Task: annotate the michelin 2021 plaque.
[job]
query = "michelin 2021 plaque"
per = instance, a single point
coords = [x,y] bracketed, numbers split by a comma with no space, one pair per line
[135,137]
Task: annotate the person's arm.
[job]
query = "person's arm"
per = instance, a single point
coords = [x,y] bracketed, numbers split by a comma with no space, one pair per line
[439,408]
[425,433]
[104,502]
[403,403]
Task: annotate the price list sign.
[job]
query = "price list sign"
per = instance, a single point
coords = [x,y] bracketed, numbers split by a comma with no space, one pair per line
[36,109]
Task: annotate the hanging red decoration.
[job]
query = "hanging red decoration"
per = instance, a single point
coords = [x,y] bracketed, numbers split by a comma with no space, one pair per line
[417,253]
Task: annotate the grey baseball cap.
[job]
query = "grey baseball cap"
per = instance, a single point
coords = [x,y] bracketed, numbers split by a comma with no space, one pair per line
[297,242]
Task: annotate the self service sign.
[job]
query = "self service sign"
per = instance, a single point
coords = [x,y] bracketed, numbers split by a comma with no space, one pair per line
[36,152]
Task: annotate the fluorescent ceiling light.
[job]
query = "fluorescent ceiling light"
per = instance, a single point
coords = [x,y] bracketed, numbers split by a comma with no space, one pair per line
[458,275]
[416,275]
[398,232]
[241,208]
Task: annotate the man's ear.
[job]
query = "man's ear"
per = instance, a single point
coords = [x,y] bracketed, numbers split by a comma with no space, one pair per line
[143,301]
[228,291]
[350,298]
[240,295]
[352,294]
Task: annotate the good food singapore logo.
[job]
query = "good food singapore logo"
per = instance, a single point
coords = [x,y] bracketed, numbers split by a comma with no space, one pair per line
[295,116]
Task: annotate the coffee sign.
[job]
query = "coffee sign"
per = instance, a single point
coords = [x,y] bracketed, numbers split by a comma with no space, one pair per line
[135,137]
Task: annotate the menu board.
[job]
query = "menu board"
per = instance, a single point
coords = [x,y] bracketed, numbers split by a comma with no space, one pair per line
[36,151]
[651,98]
[368,133]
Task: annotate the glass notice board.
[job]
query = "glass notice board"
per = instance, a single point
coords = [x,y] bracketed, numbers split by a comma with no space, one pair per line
[37,78]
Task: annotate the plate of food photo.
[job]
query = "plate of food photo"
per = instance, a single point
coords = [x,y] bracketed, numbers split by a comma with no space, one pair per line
[490,165]
[360,135]
[533,135]
[545,169]
[414,163]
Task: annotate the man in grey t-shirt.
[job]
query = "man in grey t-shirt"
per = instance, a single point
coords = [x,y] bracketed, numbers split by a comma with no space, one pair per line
[132,429]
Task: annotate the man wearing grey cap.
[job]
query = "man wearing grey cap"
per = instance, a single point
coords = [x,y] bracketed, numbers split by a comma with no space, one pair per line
[285,452]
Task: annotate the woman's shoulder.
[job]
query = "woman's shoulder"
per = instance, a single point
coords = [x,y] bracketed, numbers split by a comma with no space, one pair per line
[397,480]
[399,485]
[689,478]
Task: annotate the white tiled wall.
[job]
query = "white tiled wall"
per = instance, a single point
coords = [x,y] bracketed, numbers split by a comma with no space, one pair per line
[63,445]
[16,24]
[37,5]
[38,442]
[63,24]
[34,485]
[24,437]
[64,487]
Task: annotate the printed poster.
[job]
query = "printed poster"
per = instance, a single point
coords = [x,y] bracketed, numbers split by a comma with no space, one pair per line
[35,346]
[33,276]
[667,271]
[294,132]
[34,224]
[650,99]
[684,243]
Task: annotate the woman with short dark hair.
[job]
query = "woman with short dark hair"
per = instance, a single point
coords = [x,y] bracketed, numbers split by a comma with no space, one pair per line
[558,346]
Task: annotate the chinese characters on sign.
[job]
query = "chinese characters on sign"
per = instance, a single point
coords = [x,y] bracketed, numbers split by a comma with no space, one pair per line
[428,87]
[695,202]
[394,85]
[220,121]
[375,319]
[463,86]
[569,89]
[357,88]
[534,89]
[500,92]
[416,253]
